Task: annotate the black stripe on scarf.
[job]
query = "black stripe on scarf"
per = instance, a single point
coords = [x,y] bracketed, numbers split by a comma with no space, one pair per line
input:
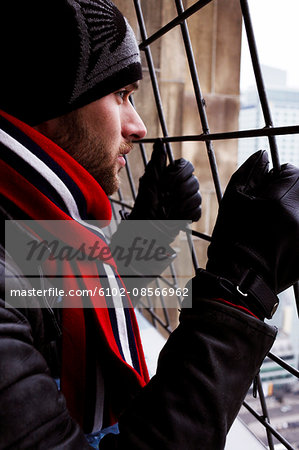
[28,143]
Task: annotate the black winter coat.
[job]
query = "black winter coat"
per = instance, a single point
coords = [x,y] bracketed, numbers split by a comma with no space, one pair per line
[203,375]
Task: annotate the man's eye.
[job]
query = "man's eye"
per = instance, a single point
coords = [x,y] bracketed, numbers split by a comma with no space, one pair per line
[123,94]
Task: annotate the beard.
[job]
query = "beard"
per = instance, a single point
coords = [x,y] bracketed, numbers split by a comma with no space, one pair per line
[89,151]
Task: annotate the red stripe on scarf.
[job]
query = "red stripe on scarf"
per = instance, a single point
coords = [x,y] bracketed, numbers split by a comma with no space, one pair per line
[101,210]
[39,207]
[19,191]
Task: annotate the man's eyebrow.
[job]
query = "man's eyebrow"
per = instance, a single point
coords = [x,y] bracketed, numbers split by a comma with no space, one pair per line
[133,86]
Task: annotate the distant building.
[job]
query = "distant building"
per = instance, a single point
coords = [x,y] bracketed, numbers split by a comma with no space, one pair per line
[286,345]
[284,107]
[272,374]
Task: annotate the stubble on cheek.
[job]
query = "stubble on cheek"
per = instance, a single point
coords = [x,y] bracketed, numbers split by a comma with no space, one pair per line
[96,155]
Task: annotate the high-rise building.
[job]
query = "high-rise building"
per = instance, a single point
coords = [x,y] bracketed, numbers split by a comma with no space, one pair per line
[284,106]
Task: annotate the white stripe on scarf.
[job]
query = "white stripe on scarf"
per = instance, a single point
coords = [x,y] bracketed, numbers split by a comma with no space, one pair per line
[49,175]
[120,314]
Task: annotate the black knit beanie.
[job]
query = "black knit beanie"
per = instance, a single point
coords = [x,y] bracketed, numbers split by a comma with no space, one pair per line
[59,55]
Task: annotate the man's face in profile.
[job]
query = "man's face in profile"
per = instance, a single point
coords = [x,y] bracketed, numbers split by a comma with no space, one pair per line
[99,134]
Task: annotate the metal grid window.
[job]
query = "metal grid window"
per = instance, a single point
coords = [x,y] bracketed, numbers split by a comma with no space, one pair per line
[155,310]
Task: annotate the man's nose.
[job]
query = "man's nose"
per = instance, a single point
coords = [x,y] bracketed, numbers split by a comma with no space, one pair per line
[133,126]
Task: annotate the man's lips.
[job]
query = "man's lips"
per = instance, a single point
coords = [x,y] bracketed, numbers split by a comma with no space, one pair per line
[124,151]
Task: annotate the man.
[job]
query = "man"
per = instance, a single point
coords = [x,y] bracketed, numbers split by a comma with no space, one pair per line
[66,123]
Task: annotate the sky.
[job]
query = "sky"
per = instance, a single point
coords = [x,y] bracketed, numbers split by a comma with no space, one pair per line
[276,28]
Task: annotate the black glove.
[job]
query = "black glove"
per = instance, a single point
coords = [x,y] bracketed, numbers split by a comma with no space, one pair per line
[168,197]
[167,193]
[255,242]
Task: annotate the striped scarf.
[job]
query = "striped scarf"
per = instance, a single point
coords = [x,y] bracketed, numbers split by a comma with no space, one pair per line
[103,364]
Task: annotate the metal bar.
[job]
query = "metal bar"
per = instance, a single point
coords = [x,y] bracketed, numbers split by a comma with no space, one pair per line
[269,427]
[158,319]
[203,236]
[119,202]
[169,26]
[241,134]
[130,178]
[141,145]
[168,283]
[296,293]
[283,364]
[159,105]
[175,282]
[141,305]
[199,100]
[265,411]
[153,77]
[259,80]
[113,211]
[193,254]
[165,310]
[143,154]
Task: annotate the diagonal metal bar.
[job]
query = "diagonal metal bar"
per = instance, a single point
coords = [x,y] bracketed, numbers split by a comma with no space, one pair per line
[153,77]
[296,293]
[283,364]
[121,203]
[192,250]
[269,427]
[159,102]
[265,411]
[199,99]
[169,26]
[114,211]
[203,236]
[141,145]
[259,80]
[130,178]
